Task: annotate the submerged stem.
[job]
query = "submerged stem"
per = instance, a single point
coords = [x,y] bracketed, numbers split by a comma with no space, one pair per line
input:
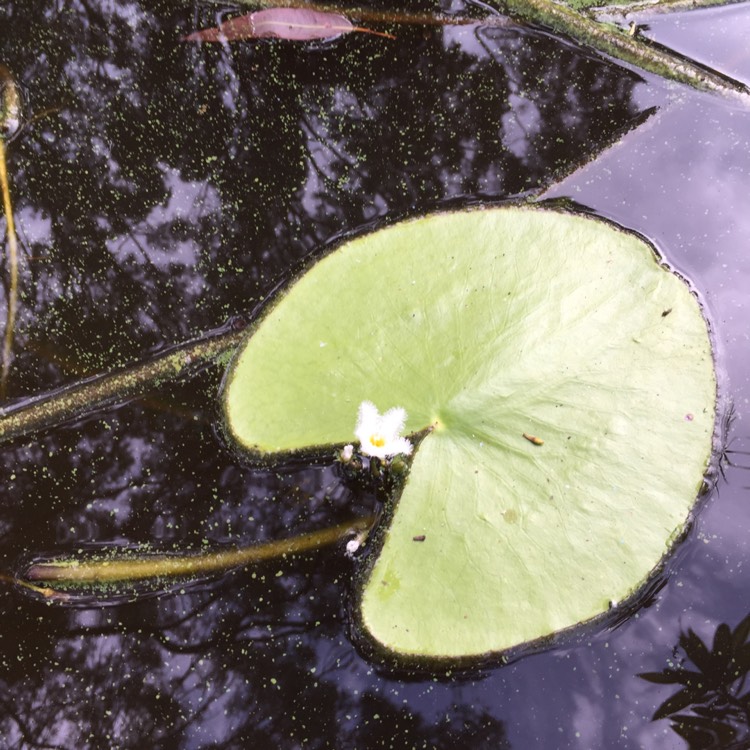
[120,567]
[51,409]
[38,590]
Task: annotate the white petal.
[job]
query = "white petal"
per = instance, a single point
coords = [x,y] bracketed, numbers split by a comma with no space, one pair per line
[400,445]
[352,546]
[392,423]
[367,421]
[378,451]
[346,453]
[385,428]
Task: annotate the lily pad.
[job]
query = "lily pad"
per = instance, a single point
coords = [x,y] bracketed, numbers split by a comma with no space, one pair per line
[568,378]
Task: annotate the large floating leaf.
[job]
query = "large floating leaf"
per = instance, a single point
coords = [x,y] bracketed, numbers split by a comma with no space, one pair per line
[488,324]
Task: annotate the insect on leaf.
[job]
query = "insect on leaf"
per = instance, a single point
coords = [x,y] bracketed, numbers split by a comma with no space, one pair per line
[296,24]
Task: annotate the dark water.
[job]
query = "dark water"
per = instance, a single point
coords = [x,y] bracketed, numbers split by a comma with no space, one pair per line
[163,191]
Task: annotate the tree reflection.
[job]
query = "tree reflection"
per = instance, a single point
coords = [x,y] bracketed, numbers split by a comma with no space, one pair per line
[173,187]
[185,179]
[711,709]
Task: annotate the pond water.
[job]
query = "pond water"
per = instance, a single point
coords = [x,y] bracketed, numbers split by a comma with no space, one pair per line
[162,191]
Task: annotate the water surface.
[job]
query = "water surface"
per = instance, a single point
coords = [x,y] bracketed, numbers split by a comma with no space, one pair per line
[164,191]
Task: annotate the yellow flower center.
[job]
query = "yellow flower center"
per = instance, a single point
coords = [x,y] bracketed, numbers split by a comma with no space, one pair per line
[377,440]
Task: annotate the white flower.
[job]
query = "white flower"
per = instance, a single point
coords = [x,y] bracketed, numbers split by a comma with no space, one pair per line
[356,542]
[379,434]
[352,546]
[346,453]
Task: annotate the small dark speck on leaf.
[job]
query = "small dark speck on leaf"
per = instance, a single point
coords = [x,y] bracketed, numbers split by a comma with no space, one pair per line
[666,312]
[419,538]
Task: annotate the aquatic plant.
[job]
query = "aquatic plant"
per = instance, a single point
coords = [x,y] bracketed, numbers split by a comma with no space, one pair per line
[560,392]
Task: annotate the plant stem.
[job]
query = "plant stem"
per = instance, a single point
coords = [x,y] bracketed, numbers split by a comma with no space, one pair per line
[10,321]
[10,122]
[611,41]
[87,396]
[38,590]
[657,6]
[124,568]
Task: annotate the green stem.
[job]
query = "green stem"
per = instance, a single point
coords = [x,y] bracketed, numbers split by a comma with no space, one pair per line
[10,122]
[92,394]
[122,568]
[38,590]
[616,43]
[660,6]
[10,321]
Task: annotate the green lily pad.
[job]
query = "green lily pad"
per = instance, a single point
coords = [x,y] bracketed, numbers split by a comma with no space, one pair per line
[488,325]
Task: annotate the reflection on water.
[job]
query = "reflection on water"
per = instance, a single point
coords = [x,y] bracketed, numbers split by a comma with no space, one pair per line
[164,188]
[711,705]
[187,179]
